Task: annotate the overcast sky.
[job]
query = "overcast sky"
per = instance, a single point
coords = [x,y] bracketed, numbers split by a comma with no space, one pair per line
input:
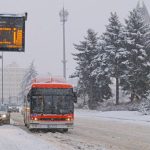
[44,30]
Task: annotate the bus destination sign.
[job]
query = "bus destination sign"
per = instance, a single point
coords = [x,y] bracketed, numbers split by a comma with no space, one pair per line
[12,32]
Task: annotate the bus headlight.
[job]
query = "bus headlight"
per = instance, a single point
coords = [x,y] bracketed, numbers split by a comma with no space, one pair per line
[69,119]
[35,119]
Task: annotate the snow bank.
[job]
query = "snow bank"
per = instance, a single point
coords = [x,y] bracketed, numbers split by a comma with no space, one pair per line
[117,115]
[13,138]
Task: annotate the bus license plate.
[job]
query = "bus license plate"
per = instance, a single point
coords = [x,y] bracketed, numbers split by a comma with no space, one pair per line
[52,126]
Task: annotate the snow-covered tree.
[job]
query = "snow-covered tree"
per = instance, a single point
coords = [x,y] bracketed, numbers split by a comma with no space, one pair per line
[101,73]
[135,80]
[30,74]
[145,104]
[114,51]
[87,51]
[141,7]
[143,12]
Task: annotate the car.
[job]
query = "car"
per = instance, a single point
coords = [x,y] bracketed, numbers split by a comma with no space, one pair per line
[4,115]
[13,109]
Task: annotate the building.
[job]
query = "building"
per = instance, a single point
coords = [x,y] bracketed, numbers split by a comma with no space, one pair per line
[12,77]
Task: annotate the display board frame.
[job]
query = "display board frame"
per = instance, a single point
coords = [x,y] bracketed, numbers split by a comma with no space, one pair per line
[12,32]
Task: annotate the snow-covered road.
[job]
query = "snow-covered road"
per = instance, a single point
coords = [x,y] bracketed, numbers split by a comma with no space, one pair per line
[115,134]
[93,131]
[110,130]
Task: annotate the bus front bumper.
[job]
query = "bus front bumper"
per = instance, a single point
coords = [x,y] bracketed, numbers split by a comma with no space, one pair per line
[51,126]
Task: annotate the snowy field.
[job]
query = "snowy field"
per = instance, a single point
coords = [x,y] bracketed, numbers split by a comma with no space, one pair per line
[132,116]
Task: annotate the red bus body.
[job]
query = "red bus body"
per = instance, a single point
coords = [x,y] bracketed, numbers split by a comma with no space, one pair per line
[35,120]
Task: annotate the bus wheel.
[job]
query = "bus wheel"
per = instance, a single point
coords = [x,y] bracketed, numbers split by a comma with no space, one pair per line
[25,123]
[65,130]
[31,130]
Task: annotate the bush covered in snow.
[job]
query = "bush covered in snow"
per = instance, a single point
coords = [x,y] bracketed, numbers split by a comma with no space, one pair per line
[144,106]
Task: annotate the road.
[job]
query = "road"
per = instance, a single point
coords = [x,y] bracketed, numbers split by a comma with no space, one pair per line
[115,135]
[98,134]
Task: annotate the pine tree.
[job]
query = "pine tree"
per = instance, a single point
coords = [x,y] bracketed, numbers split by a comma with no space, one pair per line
[115,53]
[135,80]
[30,74]
[87,50]
[141,7]
[143,12]
[145,103]
[101,73]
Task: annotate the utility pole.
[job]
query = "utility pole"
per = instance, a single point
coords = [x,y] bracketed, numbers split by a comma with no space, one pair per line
[63,18]
[1,57]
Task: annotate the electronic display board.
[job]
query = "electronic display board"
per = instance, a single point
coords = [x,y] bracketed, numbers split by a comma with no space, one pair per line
[12,32]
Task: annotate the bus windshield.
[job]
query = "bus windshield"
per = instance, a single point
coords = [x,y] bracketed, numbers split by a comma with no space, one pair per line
[52,91]
[59,102]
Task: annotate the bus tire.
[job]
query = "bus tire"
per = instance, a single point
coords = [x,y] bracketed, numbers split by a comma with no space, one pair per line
[65,130]
[31,130]
[25,123]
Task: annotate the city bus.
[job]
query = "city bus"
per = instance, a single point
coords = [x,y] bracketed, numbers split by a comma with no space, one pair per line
[49,105]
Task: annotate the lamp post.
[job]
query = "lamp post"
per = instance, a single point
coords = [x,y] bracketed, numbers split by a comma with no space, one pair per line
[63,18]
[1,57]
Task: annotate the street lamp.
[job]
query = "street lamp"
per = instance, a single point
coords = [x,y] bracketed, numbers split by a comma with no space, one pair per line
[1,57]
[63,18]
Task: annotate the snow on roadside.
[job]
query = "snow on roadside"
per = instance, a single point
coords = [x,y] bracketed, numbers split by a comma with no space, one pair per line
[13,138]
[70,141]
[132,116]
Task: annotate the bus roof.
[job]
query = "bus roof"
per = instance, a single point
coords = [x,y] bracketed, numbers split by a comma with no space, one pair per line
[50,82]
[51,85]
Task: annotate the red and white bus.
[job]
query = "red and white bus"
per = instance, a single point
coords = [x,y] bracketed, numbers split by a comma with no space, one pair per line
[49,105]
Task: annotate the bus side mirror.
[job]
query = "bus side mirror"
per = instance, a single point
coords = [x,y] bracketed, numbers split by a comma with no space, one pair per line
[28,98]
[75,97]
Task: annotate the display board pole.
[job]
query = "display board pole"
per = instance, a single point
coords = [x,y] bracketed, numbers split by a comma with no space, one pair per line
[2,80]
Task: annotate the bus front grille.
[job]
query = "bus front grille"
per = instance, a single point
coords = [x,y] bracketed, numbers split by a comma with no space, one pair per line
[53,119]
